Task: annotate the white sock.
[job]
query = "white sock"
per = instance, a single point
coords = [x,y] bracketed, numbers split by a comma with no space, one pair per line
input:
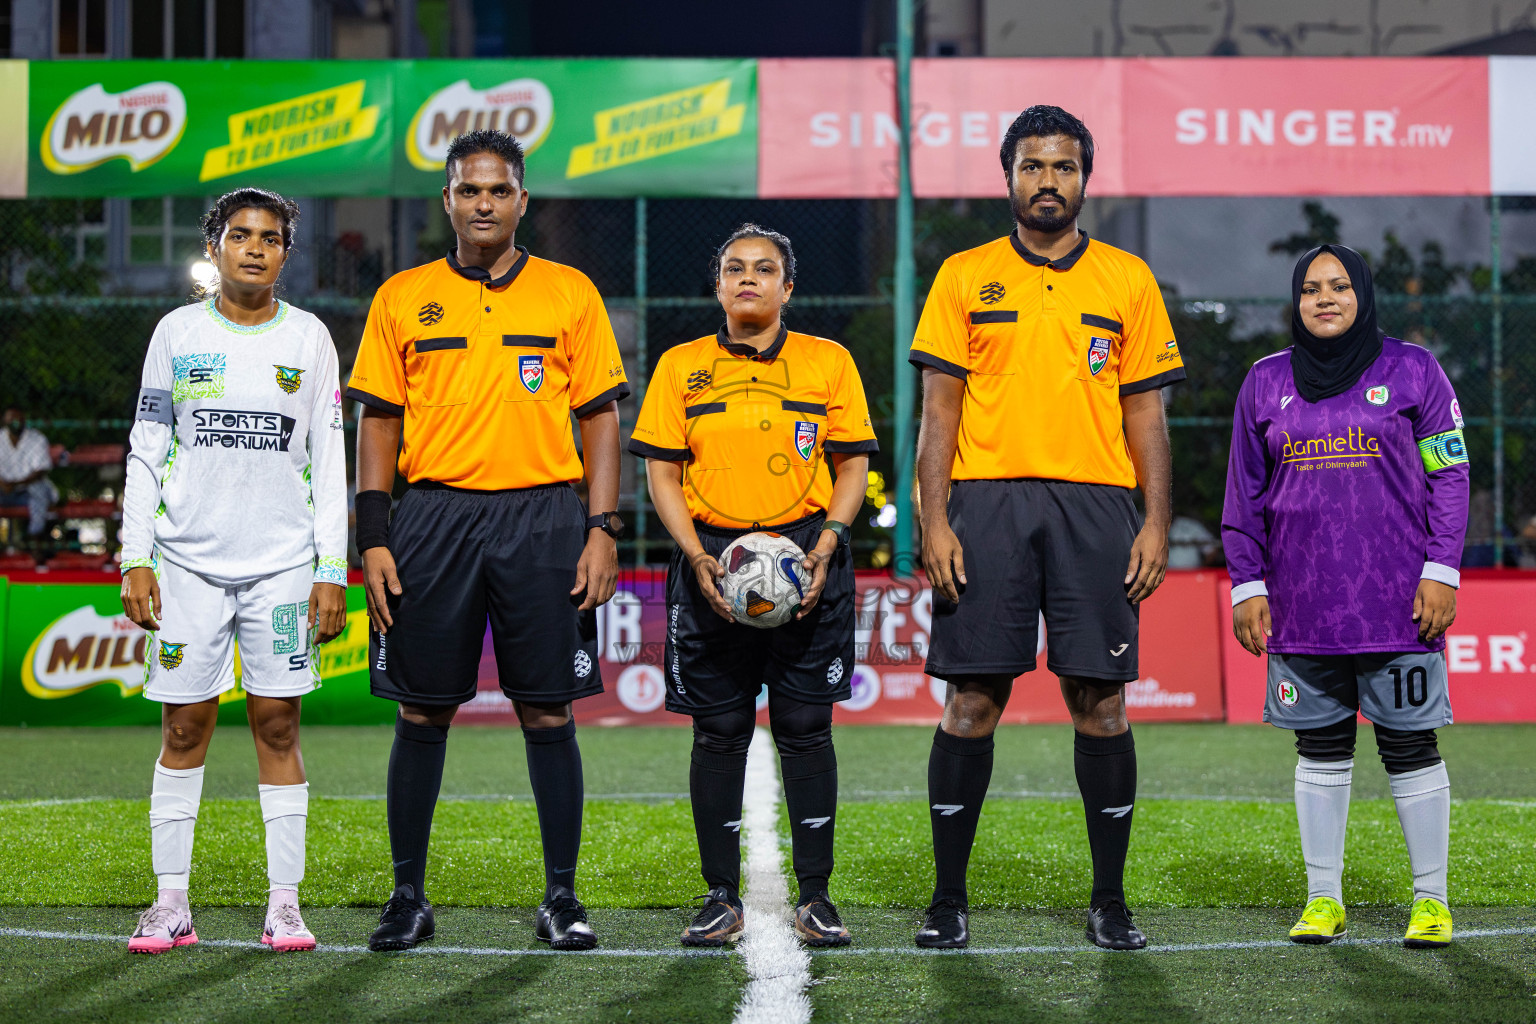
[173,804]
[285,809]
[1423,799]
[1322,811]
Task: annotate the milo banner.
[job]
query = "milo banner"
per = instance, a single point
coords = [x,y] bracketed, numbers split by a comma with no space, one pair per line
[68,656]
[151,128]
[590,127]
[359,128]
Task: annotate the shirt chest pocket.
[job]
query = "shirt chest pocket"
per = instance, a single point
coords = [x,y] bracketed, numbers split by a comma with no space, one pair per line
[1096,350]
[438,371]
[533,369]
[993,340]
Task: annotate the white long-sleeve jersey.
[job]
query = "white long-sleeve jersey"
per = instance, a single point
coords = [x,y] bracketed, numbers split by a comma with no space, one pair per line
[237,467]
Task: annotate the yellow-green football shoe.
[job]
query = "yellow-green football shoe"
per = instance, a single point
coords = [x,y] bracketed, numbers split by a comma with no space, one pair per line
[1429,925]
[1321,922]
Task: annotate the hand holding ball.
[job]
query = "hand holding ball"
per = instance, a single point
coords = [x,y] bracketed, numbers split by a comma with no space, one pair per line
[764,581]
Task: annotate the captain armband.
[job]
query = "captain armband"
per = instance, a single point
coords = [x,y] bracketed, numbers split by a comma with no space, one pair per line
[1443,451]
[155,406]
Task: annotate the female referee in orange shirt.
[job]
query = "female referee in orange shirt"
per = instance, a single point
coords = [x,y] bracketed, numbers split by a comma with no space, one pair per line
[737,430]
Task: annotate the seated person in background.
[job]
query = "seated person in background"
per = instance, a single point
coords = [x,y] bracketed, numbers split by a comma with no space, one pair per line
[24,466]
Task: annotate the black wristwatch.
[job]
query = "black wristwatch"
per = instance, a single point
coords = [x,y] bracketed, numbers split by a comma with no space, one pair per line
[609,522]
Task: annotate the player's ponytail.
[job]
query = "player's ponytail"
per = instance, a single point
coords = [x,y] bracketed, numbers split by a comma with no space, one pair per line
[226,206]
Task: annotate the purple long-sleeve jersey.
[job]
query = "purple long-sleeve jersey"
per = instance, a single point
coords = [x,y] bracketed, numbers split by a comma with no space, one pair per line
[1336,509]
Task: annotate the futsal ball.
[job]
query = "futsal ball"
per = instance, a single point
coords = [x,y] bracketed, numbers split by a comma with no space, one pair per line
[764,582]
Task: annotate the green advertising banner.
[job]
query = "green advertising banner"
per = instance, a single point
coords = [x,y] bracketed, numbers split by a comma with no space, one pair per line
[356,128]
[591,127]
[68,656]
[151,128]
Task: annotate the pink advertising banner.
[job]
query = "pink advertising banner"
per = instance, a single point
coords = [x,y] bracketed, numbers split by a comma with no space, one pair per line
[1180,660]
[1315,126]
[1202,126]
[1489,655]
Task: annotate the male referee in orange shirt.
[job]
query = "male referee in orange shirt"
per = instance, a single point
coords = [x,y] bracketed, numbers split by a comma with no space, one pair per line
[478,362]
[1043,357]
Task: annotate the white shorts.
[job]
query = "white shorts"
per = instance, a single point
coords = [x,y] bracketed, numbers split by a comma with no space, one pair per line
[192,657]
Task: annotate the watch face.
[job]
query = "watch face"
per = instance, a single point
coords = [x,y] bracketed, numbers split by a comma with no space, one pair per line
[614,524]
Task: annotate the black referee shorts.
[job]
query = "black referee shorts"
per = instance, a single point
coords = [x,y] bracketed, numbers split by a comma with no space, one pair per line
[465,555]
[1034,546]
[713,665]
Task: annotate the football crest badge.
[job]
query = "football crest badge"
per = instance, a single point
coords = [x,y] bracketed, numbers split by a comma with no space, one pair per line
[698,380]
[430,313]
[1288,693]
[171,654]
[1377,395]
[1098,354]
[805,438]
[288,378]
[530,369]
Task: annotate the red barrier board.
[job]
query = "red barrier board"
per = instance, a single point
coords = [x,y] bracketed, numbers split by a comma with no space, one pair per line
[1487,652]
[1180,660]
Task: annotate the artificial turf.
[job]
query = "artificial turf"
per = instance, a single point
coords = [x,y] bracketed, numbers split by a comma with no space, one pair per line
[1214,859]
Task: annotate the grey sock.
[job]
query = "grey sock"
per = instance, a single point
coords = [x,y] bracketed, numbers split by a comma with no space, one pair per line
[1322,811]
[1423,799]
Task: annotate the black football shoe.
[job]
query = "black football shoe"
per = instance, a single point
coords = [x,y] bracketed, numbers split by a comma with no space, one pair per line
[561,921]
[1109,926]
[817,923]
[944,926]
[405,922]
[719,921]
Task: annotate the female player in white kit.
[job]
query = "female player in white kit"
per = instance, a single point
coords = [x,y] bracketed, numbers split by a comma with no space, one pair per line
[235,527]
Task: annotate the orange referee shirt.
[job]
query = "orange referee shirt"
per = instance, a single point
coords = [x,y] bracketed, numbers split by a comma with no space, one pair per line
[752,426]
[487,372]
[1046,349]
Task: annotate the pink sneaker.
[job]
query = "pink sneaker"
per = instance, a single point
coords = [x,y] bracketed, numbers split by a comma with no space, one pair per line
[285,931]
[162,927]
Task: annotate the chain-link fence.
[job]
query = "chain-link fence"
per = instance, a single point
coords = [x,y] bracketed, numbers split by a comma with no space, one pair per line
[73,345]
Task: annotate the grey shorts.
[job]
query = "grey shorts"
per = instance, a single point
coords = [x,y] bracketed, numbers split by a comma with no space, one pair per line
[1398,691]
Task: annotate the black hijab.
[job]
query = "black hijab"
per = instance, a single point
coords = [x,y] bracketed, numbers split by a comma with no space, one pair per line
[1324,367]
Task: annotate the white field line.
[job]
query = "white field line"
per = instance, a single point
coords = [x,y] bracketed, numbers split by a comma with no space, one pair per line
[778,968]
[674,951]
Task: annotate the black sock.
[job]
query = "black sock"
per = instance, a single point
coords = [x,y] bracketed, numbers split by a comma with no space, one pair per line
[415,777]
[554,772]
[715,784]
[1106,776]
[959,771]
[810,795]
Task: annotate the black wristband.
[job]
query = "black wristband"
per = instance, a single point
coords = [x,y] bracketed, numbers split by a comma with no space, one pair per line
[372,520]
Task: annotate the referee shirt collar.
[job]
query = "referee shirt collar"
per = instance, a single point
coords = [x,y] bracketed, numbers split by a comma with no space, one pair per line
[484,276]
[736,348]
[1064,263]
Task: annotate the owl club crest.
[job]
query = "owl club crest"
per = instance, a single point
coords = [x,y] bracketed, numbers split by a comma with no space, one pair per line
[288,378]
[805,438]
[1098,354]
[530,369]
[171,654]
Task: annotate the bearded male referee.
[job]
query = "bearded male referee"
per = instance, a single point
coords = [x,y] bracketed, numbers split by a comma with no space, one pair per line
[477,363]
[1043,357]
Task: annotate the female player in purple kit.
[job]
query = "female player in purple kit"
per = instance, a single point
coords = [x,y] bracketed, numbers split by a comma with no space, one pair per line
[1345,513]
